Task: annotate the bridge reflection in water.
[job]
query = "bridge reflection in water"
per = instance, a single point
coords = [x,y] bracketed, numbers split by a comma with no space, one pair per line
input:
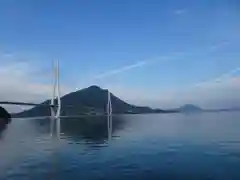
[55,125]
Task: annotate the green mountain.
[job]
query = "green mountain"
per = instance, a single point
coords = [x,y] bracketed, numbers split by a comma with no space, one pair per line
[91,100]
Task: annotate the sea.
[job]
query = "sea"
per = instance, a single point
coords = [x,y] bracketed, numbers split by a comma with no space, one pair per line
[199,146]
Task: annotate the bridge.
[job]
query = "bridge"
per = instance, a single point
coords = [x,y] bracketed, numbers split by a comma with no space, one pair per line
[55,106]
[26,104]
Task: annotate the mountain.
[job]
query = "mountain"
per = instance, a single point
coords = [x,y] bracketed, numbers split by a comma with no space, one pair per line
[188,108]
[91,100]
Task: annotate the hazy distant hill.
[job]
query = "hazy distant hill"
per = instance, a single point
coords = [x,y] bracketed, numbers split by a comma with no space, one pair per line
[190,108]
[224,109]
[86,101]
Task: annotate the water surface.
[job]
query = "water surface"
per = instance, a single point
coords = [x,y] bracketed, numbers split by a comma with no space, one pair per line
[156,146]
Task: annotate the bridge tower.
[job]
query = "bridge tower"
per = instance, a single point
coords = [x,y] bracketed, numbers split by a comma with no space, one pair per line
[109,105]
[56,93]
[109,115]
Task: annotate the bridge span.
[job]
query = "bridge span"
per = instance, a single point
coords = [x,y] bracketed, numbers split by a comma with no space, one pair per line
[55,106]
[27,104]
[55,102]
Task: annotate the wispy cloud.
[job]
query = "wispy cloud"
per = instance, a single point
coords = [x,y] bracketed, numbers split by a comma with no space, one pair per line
[136,65]
[121,70]
[223,77]
[219,45]
[19,82]
[180,11]
[146,62]
[175,56]
[220,92]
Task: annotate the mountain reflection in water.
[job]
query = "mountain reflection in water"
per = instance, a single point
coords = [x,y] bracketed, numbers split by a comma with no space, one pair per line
[89,129]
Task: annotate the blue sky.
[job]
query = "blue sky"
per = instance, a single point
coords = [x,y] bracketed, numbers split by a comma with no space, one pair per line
[149,46]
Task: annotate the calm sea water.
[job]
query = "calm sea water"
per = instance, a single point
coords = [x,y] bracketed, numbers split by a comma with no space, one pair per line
[162,146]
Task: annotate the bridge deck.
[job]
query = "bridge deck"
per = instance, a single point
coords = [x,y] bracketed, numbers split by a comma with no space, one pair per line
[26,104]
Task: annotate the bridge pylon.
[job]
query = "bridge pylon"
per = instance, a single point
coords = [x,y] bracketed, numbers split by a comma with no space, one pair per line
[56,108]
[109,104]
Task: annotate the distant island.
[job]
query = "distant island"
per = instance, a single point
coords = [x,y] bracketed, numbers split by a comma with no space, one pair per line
[190,108]
[93,100]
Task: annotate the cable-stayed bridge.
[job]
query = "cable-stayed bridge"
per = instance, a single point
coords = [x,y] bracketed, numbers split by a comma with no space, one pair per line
[26,104]
[55,103]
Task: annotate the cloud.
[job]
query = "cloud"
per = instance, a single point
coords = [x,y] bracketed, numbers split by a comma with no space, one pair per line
[222,95]
[135,65]
[180,11]
[22,81]
[214,93]
[221,78]
[121,70]
[6,55]
[220,92]
[219,45]
[19,82]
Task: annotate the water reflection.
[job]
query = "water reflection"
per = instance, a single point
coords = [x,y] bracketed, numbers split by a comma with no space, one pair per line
[91,129]
[123,147]
[3,126]
[2,130]
[109,119]
[85,129]
[55,127]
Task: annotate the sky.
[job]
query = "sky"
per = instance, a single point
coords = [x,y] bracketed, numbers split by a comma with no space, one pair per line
[148,52]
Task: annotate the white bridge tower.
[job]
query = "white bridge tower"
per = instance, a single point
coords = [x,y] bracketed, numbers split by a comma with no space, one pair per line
[109,105]
[56,108]
[109,115]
